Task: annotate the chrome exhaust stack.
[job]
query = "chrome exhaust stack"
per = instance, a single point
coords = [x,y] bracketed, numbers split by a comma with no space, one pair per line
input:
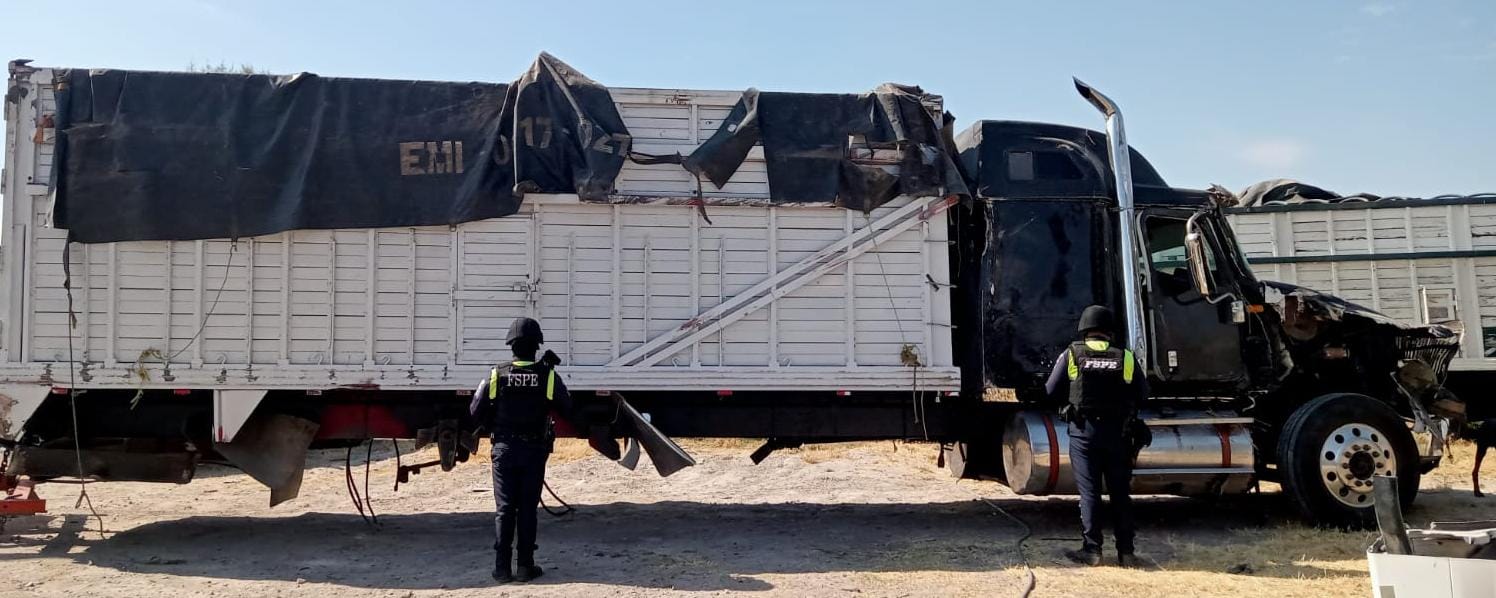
[1121,162]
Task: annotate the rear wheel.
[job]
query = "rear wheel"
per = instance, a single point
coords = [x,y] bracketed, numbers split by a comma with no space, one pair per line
[1330,449]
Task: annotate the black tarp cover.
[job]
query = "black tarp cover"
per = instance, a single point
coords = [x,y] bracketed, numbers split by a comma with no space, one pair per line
[806,141]
[177,156]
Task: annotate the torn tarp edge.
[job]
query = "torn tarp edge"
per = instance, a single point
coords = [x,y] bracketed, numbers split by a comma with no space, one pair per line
[797,130]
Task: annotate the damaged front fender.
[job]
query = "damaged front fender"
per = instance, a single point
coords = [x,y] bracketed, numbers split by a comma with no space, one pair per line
[1337,345]
[1310,315]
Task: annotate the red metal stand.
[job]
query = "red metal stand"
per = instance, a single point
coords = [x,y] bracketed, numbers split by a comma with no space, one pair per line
[20,497]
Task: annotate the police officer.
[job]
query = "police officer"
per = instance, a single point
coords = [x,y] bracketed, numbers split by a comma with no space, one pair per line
[514,404]
[1104,387]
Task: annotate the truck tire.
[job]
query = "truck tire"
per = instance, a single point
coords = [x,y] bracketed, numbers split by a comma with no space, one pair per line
[1331,447]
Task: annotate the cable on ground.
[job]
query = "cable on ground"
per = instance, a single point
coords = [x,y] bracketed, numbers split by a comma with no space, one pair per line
[565,510]
[360,500]
[1028,532]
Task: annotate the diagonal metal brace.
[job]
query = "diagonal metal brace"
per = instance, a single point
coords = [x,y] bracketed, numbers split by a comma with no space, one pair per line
[785,281]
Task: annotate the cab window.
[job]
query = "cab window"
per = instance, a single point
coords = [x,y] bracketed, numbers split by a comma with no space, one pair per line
[1167,258]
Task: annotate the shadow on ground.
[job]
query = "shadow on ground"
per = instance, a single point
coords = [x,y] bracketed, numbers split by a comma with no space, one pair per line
[681,545]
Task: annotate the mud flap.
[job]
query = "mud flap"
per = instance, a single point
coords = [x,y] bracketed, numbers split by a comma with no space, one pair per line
[272,448]
[630,457]
[667,456]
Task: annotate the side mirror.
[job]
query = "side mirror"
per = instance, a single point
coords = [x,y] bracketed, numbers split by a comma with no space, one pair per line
[1194,247]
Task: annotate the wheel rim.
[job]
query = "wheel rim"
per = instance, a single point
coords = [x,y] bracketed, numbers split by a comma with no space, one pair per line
[1350,456]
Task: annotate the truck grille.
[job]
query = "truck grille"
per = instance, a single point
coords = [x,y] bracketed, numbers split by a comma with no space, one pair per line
[1435,346]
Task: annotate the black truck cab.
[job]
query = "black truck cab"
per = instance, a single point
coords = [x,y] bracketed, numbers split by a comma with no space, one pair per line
[1041,240]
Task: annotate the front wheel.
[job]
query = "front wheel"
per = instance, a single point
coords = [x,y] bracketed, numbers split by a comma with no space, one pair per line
[1330,449]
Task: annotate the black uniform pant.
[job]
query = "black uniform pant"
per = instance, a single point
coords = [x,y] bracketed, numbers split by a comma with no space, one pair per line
[518,475]
[1099,454]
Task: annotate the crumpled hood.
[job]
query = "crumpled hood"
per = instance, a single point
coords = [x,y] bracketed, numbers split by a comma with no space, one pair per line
[1335,309]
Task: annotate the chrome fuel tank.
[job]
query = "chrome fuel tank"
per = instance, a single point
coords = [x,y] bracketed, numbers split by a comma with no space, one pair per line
[1193,453]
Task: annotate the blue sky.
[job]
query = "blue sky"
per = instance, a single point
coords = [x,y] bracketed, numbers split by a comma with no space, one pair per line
[1384,96]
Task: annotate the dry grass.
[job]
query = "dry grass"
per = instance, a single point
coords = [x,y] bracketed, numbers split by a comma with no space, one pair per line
[1279,557]
[1285,558]
[1455,470]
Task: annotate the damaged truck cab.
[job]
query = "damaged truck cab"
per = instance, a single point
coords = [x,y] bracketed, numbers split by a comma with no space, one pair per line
[1252,380]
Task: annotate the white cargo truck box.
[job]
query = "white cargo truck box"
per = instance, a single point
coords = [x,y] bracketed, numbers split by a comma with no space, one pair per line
[637,293]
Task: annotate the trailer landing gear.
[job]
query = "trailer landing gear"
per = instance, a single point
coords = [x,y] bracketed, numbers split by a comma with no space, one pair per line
[20,497]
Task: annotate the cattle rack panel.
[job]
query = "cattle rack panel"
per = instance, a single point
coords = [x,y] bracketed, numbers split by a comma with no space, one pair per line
[640,294]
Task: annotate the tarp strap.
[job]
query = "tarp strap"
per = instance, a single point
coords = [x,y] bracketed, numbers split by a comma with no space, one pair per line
[651,159]
[700,201]
[676,158]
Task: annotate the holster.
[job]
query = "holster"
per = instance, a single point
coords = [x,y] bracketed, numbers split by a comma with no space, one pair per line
[1137,435]
[1070,414]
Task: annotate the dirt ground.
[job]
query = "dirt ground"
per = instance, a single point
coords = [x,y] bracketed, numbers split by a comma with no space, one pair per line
[868,519]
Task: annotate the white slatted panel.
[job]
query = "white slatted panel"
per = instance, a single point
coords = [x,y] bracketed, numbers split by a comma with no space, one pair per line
[430,298]
[809,324]
[1254,232]
[1389,230]
[1483,226]
[1396,287]
[1485,277]
[667,122]
[1310,236]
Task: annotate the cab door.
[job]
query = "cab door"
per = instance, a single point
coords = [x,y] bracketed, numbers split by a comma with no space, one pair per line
[1191,338]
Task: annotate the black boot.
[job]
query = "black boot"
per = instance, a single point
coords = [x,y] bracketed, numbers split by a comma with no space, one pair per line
[1087,556]
[528,572]
[501,570]
[527,569]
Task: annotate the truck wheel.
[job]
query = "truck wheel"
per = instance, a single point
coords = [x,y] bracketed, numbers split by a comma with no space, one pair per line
[1332,446]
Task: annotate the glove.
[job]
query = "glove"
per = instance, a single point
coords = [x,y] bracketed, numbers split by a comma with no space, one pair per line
[550,358]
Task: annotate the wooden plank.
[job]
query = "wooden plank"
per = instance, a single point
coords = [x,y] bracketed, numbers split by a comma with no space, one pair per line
[113,354]
[616,286]
[772,265]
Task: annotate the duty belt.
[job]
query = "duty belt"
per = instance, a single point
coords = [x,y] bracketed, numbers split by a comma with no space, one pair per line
[1101,415]
[518,438]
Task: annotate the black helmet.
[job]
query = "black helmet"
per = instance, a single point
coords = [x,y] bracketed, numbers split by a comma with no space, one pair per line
[1095,317]
[524,328]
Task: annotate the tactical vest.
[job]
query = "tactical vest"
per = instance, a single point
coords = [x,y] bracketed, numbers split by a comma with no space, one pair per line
[521,394]
[1099,376]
